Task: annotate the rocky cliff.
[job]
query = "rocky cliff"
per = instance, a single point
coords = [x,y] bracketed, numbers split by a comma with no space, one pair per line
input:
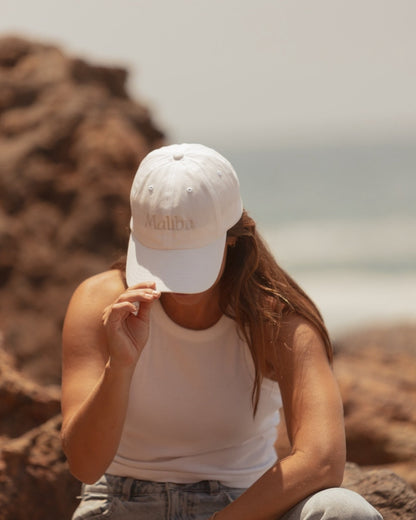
[70,142]
[376,370]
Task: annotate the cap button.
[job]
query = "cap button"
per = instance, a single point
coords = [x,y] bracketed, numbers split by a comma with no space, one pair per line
[178,156]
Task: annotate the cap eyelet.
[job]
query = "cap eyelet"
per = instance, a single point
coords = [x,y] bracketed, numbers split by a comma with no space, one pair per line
[150,188]
[189,189]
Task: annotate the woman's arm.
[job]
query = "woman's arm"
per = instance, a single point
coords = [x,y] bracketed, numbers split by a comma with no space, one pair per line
[314,417]
[102,341]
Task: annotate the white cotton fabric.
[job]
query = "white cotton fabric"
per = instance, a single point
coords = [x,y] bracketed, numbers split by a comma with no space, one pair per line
[190,416]
[184,198]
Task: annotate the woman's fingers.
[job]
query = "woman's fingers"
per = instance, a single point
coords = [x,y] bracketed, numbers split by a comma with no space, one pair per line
[126,323]
[138,295]
[143,311]
[130,301]
[143,285]
[118,312]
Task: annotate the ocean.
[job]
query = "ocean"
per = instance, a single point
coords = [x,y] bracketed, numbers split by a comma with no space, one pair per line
[342,221]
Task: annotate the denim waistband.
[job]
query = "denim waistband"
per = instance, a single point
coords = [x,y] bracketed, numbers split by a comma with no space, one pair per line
[128,487]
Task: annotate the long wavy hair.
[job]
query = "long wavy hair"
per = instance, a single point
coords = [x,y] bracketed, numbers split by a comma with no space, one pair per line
[257,293]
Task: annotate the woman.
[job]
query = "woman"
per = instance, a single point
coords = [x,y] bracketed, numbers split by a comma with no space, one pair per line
[175,367]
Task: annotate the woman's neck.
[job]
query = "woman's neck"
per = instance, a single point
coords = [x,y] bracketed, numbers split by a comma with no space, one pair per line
[193,311]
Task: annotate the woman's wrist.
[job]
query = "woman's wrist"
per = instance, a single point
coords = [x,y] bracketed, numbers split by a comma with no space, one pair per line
[116,374]
[116,367]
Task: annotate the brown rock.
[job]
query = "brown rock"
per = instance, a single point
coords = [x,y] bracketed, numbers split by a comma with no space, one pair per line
[392,496]
[24,404]
[376,372]
[34,479]
[70,142]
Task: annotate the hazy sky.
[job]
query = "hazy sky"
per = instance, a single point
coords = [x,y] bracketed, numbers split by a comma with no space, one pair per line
[241,72]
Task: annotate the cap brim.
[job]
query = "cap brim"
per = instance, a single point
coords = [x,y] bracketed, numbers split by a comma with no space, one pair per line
[179,270]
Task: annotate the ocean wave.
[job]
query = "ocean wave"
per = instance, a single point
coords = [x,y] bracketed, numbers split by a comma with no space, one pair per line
[350,299]
[373,243]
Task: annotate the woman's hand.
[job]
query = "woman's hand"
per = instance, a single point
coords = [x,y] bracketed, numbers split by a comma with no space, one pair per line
[126,323]
[100,350]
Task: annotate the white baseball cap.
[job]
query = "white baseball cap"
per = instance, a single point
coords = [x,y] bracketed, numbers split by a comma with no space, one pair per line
[183,200]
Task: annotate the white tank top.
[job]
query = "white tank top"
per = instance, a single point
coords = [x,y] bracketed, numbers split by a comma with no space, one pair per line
[190,415]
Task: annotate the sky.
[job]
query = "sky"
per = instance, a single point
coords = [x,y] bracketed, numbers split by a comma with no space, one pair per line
[247,73]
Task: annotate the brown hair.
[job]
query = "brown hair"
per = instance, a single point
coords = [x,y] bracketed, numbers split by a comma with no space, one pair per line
[257,293]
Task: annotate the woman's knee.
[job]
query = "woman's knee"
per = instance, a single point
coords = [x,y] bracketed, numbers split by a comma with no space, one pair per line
[334,504]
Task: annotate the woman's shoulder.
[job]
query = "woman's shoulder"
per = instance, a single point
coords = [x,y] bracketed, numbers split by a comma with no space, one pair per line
[105,282]
[298,340]
[294,325]
[98,291]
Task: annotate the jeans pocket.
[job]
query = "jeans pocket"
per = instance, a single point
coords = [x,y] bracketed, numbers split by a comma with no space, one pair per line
[93,507]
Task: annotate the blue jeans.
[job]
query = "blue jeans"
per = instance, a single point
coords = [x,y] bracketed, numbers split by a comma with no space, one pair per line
[124,498]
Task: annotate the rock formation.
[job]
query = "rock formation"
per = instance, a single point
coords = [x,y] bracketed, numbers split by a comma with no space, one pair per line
[391,495]
[376,371]
[70,142]
[34,477]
